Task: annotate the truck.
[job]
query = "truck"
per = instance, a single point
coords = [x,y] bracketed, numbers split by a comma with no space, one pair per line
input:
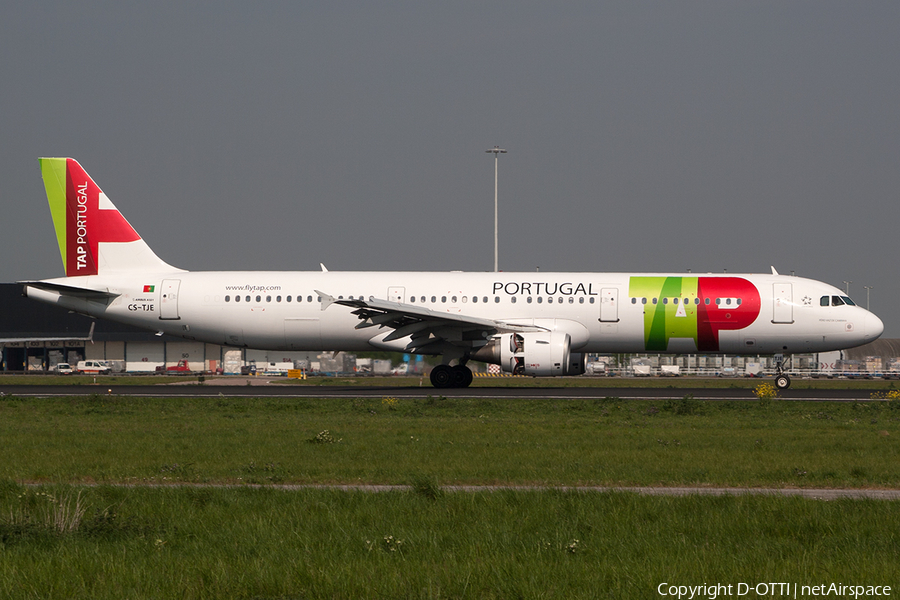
[180,367]
[93,367]
[669,370]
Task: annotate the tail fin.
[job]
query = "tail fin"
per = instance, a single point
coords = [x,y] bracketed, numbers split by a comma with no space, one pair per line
[94,238]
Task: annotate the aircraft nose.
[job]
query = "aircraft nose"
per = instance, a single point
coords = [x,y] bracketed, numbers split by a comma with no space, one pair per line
[873,327]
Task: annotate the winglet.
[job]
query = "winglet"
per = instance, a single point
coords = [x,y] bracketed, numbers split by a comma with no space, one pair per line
[324,270]
[774,272]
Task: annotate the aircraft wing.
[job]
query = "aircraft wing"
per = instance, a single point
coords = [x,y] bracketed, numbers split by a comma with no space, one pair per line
[429,330]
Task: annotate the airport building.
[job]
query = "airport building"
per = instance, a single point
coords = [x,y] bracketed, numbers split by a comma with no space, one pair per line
[34,337]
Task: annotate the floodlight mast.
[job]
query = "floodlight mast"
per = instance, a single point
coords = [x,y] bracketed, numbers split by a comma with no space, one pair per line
[497,151]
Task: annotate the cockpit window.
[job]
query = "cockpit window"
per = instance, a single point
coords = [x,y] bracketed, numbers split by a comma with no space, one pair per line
[848,301]
[836,301]
[824,301]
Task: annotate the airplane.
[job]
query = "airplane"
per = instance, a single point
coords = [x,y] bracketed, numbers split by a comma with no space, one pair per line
[539,324]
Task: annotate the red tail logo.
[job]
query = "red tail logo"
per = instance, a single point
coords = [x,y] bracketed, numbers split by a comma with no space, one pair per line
[88,224]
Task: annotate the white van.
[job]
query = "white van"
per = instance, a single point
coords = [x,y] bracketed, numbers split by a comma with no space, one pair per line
[93,367]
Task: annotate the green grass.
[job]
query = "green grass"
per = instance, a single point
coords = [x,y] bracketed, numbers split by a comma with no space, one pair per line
[265,543]
[111,439]
[63,539]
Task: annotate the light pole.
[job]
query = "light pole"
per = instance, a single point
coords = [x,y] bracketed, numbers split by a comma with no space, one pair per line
[497,150]
[847,283]
[868,287]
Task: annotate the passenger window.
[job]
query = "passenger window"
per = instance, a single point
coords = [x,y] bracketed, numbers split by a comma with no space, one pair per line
[513,299]
[592,299]
[550,300]
[247,298]
[643,301]
[497,299]
[227,298]
[453,299]
[571,300]
[268,298]
[288,298]
[412,299]
[665,300]
[581,300]
[474,298]
[654,300]
[465,299]
[528,299]
[540,299]
[444,299]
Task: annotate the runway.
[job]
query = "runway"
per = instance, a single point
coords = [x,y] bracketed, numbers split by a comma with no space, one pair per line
[258,387]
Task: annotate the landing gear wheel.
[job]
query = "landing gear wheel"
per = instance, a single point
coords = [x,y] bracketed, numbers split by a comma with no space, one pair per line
[442,376]
[462,376]
[782,382]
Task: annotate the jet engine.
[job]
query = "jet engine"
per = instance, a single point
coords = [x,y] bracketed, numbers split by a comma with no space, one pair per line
[539,354]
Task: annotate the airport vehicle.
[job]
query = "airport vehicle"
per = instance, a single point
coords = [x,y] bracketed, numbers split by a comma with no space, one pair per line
[93,367]
[540,324]
[181,366]
[64,368]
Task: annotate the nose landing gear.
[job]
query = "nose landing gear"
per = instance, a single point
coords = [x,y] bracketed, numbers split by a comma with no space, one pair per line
[782,380]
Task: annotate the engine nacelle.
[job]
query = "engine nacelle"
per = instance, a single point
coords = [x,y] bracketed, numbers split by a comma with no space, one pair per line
[540,354]
[577,363]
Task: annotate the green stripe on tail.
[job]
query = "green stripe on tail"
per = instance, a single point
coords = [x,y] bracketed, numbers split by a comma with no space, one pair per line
[54,170]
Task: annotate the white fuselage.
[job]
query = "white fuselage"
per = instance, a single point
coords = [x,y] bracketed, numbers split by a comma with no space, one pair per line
[601,312]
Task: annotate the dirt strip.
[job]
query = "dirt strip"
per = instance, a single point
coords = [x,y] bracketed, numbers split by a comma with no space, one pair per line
[814,493]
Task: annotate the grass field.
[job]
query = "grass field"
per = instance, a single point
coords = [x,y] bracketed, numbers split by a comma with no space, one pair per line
[243,543]
[111,439]
[60,539]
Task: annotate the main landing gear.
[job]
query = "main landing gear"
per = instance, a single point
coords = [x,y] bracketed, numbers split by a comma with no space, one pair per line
[445,376]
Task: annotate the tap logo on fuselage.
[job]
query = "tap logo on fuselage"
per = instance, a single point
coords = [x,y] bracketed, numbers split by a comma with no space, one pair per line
[695,308]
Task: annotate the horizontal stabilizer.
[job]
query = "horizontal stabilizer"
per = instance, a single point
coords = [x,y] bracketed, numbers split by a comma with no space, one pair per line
[70,290]
[88,338]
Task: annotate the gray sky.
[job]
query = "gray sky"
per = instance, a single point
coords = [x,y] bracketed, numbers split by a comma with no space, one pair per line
[642,136]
